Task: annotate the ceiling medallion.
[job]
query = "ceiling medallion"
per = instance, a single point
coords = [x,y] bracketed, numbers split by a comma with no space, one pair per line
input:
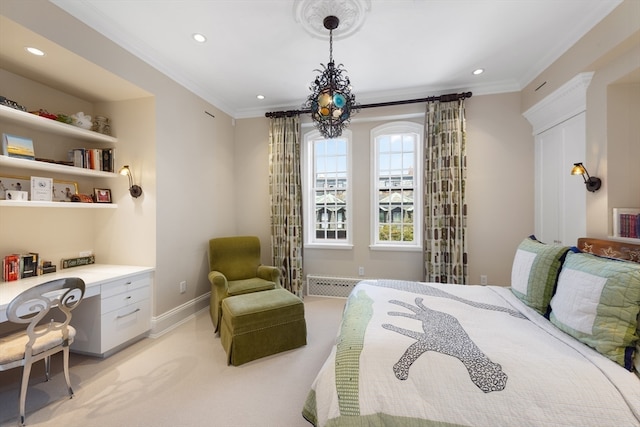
[311,13]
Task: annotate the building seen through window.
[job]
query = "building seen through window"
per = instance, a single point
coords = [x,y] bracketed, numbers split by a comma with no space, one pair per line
[395,207]
[395,184]
[331,189]
[396,199]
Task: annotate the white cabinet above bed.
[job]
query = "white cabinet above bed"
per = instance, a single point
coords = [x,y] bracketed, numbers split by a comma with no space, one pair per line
[560,197]
[559,126]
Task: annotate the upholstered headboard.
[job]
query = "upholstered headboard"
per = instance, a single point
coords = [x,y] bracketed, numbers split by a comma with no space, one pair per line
[610,248]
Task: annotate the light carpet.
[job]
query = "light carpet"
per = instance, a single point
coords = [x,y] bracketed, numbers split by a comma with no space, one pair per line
[179,379]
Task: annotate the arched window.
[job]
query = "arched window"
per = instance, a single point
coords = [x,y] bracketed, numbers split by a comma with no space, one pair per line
[327,198]
[396,196]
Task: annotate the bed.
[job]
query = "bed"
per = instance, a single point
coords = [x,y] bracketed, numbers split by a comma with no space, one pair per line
[557,348]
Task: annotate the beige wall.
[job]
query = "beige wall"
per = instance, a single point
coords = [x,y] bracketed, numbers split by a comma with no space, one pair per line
[127,235]
[63,233]
[251,182]
[206,177]
[500,191]
[602,138]
[182,157]
[377,263]
[612,50]
[623,134]
[612,36]
[500,156]
[501,183]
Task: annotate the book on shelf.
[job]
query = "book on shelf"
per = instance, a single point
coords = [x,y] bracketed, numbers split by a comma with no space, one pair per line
[626,222]
[11,268]
[19,266]
[101,159]
[94,155]
[28,265]
[77,157]
[108,164]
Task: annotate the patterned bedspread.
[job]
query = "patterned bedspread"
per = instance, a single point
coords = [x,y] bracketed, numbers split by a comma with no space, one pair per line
[429,354]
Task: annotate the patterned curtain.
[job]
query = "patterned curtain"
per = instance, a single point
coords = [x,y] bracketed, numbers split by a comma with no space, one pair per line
[285,189]
[445,208]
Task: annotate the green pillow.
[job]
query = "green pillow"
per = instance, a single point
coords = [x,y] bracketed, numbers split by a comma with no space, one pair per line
[597,302]
[534,272]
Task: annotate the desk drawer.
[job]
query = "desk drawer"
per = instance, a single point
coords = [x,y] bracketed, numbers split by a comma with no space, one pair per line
[124,324]
[124,285]
[124,299]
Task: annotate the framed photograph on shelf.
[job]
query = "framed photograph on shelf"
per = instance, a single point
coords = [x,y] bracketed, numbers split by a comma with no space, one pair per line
[17,146]
[14,183]
[41,189]
[64,190]
[102,195]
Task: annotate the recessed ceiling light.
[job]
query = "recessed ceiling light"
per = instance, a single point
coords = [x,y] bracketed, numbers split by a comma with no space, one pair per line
[199,38]
[260,96]
[478,71]
[34,51]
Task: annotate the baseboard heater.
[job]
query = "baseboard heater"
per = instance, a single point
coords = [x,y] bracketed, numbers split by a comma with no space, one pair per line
[327,286]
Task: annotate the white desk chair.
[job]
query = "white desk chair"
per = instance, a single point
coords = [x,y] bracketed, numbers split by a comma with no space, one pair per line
[39,342]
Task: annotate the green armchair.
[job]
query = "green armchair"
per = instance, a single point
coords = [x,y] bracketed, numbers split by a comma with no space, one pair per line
[235,269]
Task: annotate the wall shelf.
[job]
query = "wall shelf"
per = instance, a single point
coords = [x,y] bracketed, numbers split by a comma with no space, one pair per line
[53,167]
[53,126]
[63,205]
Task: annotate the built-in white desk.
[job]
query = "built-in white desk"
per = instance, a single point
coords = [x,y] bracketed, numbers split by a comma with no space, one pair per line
[116,308]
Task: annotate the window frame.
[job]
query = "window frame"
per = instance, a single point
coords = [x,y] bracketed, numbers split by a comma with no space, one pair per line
[394,128]
[309,191]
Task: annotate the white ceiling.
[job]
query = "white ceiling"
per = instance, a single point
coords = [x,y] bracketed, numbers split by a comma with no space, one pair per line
[401,49]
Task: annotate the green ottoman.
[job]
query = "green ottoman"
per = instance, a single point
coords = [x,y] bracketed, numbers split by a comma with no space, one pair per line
[261,323]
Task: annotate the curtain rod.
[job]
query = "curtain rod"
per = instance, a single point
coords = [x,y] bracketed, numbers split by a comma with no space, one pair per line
[442,98]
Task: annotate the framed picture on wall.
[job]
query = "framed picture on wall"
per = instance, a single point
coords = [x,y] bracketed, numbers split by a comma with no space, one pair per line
[102,195]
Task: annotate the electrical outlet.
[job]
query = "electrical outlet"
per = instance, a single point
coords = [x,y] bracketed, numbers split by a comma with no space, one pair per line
[86,253]
[361,271]
[183,286]
[483,279]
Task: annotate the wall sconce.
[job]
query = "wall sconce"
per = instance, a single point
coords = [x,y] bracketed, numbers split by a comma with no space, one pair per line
[134,190]
[593,184]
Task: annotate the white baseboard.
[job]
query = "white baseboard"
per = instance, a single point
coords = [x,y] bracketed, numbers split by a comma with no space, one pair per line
[171,319]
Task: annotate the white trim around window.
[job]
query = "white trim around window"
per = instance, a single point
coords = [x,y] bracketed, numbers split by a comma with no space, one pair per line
[396,186]
[327,196]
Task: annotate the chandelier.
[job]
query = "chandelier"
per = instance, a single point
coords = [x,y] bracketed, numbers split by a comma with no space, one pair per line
[331,102]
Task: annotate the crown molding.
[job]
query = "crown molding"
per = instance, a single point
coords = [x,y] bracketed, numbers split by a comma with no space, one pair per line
[565,102]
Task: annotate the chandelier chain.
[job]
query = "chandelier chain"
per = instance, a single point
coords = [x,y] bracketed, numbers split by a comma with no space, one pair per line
[330,45]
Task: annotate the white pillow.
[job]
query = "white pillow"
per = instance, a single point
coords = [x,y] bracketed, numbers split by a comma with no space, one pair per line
[598,302]
[534,272]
